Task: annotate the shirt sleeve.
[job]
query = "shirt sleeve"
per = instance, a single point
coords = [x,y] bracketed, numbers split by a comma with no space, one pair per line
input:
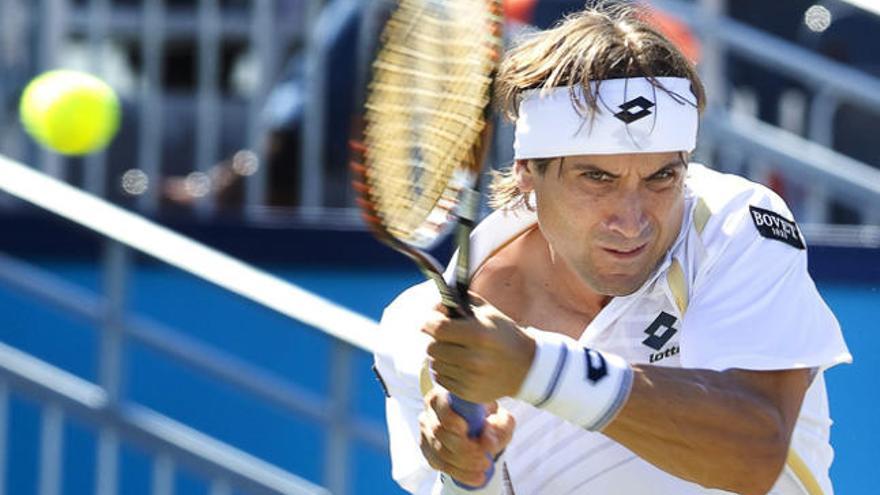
[754,305]
[398,362]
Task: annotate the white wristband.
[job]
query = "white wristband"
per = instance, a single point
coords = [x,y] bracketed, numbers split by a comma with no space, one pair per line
[446,486]
[578,384]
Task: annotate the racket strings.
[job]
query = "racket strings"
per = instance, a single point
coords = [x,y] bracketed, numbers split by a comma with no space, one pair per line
[425,111]
[467,100]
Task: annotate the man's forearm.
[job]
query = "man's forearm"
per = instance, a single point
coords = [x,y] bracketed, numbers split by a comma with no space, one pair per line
[727,430]
[718,429]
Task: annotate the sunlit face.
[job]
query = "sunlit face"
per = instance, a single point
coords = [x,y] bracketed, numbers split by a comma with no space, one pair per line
[610,218]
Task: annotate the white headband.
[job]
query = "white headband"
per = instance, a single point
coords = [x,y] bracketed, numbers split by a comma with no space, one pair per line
[634,117]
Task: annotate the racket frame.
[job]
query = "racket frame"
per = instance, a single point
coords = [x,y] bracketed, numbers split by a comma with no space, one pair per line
[463,217]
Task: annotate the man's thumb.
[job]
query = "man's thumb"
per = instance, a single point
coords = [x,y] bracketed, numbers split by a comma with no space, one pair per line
[489,440]
[476,300]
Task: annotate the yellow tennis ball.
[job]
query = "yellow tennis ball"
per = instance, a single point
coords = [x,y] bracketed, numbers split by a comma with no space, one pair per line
[70,112]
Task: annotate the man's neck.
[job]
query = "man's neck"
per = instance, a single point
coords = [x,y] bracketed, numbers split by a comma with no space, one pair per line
[551,274]
[527,284]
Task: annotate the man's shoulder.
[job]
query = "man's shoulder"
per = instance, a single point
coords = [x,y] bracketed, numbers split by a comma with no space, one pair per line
[495,231]
[728,206]
[733,217]
[725,192]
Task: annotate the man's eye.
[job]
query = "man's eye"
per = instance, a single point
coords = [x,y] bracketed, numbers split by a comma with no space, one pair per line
[664,174]
[597,176]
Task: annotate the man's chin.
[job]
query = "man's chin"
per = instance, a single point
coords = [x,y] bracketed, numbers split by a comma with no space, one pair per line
[618,285]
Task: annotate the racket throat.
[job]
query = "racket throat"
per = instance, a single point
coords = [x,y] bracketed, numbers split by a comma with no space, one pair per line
[462,264]
[453,298]
[467,217]
[431,269]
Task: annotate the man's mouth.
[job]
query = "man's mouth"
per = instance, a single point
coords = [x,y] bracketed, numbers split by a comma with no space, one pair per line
[626,252]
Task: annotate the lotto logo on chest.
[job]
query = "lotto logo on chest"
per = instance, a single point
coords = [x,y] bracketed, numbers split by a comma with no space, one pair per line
[672,350]
[660,332]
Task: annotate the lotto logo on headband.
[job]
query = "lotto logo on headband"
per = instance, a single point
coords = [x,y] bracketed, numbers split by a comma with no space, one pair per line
[641,105]
[634,116]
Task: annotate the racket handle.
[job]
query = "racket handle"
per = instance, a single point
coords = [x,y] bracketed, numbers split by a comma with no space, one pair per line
[475,415]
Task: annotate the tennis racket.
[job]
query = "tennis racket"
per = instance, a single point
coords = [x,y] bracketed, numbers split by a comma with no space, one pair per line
[425,130]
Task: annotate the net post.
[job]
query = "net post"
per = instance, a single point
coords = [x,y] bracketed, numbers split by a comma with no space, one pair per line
[336,457]
[150,99]
[99,17]
[262,44]
[116,267]
[53,28]
[207,101]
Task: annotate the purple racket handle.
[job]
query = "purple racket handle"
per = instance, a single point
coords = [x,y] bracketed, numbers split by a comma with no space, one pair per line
[475,415]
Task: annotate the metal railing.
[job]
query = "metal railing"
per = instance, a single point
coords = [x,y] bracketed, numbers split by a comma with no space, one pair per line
[110,39]
[103,403]
[315,26]
[825,174]
[64,395]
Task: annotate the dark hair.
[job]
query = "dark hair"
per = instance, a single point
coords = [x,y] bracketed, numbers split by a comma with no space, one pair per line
[584,49]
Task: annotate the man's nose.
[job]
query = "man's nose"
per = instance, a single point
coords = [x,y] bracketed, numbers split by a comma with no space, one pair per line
[628,217]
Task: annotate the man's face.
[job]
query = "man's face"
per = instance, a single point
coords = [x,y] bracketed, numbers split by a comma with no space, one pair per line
[610,218]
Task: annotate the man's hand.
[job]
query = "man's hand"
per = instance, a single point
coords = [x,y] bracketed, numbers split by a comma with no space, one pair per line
[480,358]
[446,446]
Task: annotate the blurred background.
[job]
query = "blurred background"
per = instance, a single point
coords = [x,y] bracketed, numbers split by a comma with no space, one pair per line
[122,374]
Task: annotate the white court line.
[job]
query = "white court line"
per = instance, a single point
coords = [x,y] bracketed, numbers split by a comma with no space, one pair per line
[162,243]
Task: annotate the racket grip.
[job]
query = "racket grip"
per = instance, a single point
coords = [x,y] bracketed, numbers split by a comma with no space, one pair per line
[475,415]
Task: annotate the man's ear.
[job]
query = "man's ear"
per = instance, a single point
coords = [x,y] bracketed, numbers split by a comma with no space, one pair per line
[524,171]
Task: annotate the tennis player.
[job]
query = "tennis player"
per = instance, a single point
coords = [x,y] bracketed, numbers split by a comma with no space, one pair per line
[645,325]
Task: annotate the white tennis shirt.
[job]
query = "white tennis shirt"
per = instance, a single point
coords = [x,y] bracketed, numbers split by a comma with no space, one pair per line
[733,292]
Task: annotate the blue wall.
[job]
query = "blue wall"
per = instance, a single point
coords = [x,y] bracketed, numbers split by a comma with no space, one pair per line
[300,354]
[200,310]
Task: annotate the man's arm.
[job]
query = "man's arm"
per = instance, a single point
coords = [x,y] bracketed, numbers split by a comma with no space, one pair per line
[727,430]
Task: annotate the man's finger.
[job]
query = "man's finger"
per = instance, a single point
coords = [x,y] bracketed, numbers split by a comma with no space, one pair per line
[450,370]
[456,331]
[430,454]
[459,388]
[466,474]
[470,455]
[460,446]
[442,309]
[464,389]
[469,360]
[448,418]
[501,418]
[498,431]
[439,446]
[434,320]
[428,423]
[452,448]
[446,351]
